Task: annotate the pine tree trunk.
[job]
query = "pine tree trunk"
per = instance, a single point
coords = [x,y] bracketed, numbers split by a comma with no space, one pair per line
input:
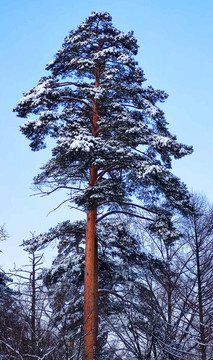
[91,290]
[91,258]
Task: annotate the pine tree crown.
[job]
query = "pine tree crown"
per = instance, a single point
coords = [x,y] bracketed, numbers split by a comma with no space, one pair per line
[95,74]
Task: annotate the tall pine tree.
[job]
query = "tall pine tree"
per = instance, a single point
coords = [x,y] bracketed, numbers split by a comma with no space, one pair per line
[112,140]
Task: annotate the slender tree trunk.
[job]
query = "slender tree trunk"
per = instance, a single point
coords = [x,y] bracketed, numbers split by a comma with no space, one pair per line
[71,347]
[169,290]
[91,257]
[33,305]
[91,290]
[200,298]
[91,271]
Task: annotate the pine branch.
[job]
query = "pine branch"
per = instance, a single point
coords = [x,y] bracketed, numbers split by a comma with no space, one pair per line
[124,213]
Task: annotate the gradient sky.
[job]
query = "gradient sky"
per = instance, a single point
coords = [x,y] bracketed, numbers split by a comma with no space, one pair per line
[176,53]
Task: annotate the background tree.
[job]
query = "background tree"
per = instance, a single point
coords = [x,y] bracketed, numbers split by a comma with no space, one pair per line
[183,294]
[13,339]
[34,311]
[3,233]
[157,316]
[171,293]
[112,141]
[197,230]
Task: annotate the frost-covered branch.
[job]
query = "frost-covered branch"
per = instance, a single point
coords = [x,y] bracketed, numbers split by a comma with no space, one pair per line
[12,349]
[124,213]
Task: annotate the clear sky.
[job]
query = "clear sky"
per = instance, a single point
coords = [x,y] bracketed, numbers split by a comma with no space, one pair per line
[176,53]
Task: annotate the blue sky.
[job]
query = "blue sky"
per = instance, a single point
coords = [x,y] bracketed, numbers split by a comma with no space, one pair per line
[176,53]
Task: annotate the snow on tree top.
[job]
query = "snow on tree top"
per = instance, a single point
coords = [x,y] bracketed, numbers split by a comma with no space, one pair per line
[102,116]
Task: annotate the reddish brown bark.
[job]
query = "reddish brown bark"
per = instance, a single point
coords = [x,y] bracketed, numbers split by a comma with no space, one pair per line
[91,290]
[91,272]
[91,258]
[91,283]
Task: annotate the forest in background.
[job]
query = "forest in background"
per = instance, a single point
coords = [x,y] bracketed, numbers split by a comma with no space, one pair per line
[151,257]
[155,294]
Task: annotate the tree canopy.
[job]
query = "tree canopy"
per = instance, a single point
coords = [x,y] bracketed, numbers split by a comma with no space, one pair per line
[95,73]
